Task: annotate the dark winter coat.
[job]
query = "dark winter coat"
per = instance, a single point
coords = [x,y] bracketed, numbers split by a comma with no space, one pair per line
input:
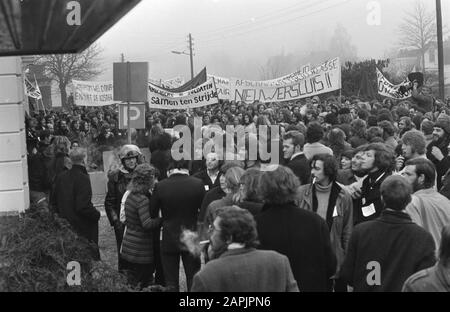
[179,198]
[301,168]
[210,196]
[117,185]
[72,199]
[421,102]
[203,175]
[304,238]
[394,244]
[38,173]
[137,244]
[371,194]
[443,165]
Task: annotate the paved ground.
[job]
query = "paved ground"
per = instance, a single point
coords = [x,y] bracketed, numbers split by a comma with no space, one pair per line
[107,241]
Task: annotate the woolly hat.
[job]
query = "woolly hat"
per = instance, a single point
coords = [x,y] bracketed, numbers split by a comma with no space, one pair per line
[443,122]
[416,76]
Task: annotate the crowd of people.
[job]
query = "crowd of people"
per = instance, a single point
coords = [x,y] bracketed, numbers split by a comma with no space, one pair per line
[360,185]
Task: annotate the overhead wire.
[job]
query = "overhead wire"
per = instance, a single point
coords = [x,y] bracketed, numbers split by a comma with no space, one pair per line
[262,27]
[258,19]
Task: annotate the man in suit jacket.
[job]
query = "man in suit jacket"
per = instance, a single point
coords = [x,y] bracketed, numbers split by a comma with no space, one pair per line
[72,199]
[293,142]
[237,265]
[178,198]
[384,252]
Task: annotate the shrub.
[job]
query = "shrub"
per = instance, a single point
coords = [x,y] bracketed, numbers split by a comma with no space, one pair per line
[34,253]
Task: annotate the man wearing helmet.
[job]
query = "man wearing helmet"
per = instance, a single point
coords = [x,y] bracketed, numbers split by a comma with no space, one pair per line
[130,156]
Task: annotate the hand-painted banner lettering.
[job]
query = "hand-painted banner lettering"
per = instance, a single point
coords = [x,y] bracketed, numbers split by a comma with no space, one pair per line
[93,93]
[386,88]
[222,86]
[321,79]
[203,95]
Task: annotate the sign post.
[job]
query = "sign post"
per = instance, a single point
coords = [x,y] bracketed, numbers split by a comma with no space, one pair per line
[130,85]
[128,101]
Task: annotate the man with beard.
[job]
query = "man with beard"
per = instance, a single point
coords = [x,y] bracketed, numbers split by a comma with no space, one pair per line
[293,142]
[210,176]
[237,265]
[428,208]
[329,200]
[437,150]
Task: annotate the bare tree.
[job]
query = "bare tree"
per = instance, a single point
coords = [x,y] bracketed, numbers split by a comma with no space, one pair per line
[341,45]
[64,67]
[276,66]
[270,71]
[418,30]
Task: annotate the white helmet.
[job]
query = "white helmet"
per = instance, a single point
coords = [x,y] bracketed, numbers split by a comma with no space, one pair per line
[129,151]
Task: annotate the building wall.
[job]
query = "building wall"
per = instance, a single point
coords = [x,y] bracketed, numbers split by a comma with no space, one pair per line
[14,190]
[430,63]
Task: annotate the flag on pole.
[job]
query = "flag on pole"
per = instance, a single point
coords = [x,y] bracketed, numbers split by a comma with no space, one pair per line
[38,91]
[31,90]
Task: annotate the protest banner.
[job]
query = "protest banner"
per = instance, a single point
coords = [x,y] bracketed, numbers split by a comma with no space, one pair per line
[202,95]
[223,86]
[156,82]
[321,79]
[92,93]
[386,88]
[300,74]
[199,79]
[173,83]
[305,68]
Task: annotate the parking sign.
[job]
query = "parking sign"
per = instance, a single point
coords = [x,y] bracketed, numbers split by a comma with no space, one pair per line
[137,116]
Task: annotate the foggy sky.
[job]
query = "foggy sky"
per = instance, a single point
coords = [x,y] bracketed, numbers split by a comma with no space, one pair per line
[234,38]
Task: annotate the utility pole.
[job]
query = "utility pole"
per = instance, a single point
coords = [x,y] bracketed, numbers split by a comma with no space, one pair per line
[440,49]
[191,55]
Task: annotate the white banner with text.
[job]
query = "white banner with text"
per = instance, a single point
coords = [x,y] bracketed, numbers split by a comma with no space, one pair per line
[321,79]
[203,95]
